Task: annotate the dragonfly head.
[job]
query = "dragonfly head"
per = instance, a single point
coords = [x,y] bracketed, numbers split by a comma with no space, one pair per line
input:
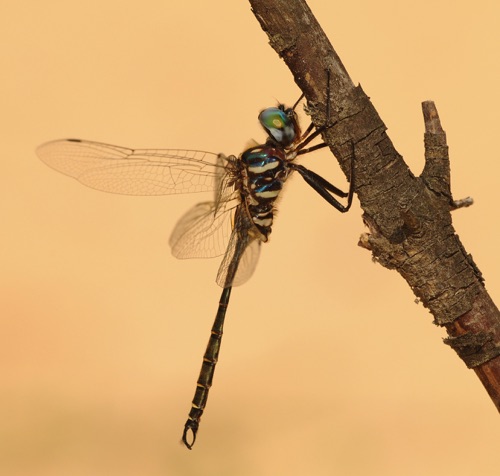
[281,124]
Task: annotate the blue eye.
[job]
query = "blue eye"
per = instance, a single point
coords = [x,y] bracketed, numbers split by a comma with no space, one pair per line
[279,125]
[274,118]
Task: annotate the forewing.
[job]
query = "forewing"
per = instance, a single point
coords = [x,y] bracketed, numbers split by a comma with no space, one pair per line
[134,171]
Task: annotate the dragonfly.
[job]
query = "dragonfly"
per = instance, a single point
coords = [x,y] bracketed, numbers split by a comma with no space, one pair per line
[234,224]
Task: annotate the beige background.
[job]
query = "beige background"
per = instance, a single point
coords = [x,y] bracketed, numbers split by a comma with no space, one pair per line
[328,366]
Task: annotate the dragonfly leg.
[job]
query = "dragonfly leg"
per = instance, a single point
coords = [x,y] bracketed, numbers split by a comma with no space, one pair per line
[308,135]
[207,372]
[325,188]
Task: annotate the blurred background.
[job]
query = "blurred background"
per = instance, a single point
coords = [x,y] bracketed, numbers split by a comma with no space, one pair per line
[328,366]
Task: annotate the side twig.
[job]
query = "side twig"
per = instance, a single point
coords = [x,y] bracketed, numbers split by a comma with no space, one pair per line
[408,217]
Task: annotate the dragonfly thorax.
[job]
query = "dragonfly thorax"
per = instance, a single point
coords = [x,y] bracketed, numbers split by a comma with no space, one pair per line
[265,171]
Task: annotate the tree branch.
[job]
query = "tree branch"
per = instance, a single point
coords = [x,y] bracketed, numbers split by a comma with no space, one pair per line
[409,218]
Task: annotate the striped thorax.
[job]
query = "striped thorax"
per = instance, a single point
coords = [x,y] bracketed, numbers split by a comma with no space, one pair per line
[265,171]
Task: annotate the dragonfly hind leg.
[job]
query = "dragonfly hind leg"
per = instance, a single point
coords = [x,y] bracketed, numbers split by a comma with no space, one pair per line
[326,189]
[318,183]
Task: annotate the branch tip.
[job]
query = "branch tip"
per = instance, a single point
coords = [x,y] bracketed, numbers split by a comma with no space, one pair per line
[431,118]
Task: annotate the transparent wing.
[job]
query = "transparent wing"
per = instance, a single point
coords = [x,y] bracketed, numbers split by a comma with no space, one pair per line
[207,230]
[242,253]
[134,171]
[204,231]
[248,263]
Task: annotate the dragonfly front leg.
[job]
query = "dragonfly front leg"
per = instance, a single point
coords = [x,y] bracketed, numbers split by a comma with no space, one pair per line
[308,136]
[207,371]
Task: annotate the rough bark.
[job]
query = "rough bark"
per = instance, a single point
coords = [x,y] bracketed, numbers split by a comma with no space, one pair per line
[408,217]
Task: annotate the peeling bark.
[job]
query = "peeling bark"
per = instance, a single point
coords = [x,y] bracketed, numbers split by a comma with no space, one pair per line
[408,217]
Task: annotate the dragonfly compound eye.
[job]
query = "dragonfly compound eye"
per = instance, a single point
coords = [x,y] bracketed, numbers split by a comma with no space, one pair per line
[278,124]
